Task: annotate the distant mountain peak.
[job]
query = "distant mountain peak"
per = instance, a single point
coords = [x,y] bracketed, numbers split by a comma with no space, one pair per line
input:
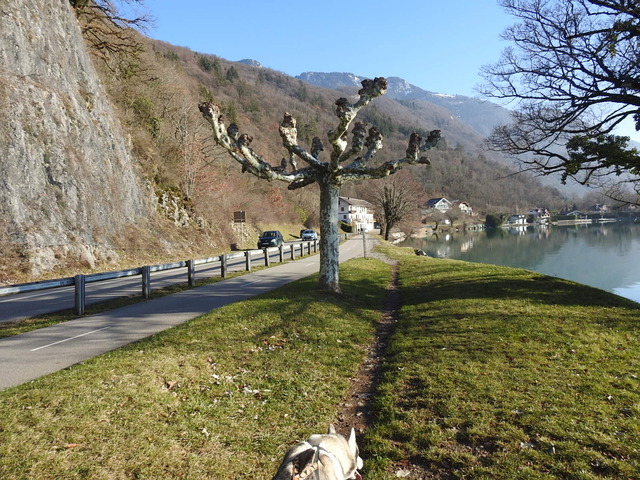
[333,80]
[251,62]
[481,115]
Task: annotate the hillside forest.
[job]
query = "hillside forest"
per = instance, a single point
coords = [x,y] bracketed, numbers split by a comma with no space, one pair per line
[158,101]
[155,89]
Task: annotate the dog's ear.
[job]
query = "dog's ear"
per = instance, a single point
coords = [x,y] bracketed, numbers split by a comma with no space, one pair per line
[297,464]
[286,472]
[354,447]
[331,430]
[352,441]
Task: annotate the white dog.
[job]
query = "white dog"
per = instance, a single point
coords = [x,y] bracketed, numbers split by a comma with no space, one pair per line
[329,456]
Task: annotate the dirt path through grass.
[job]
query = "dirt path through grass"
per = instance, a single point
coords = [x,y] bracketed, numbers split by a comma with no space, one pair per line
[355,408]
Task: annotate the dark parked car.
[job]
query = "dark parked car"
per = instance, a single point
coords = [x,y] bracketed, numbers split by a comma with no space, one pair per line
[309,235]
[271,238]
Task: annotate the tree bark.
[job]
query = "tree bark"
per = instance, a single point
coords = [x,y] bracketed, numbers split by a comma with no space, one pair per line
[329,236]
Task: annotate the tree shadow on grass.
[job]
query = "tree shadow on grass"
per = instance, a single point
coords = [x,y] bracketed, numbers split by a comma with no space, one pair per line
[303,297]
[453,280]
[503,283]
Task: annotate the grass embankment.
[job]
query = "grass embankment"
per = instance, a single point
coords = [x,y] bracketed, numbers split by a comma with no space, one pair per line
[492,373]
[504,373]
[220,397]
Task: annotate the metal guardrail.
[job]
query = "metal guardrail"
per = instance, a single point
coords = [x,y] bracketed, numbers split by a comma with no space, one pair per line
[80,281]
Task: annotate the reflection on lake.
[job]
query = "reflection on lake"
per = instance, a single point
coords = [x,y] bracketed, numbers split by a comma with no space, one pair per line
[606,256]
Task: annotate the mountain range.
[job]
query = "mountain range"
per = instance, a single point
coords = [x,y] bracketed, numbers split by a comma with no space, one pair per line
[481,115]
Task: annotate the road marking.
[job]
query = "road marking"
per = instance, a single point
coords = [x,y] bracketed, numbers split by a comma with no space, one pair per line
[12,297]
[70,338]
[56,290]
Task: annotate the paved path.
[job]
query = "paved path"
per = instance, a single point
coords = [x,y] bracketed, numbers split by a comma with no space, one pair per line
[30,355]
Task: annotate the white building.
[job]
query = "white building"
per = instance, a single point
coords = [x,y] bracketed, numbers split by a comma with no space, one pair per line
[464,207]
[356,212]
[598,208]
[517,220]
[540,215]
[439,203]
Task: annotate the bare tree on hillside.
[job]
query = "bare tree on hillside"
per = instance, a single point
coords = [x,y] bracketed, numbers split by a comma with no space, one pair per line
[108,26]
[395,200]
[346,162]
[193,151]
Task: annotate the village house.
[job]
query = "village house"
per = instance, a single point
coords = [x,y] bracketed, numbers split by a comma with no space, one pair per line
[464,207]
[598,208]
[628,208]
[540,215]
[356,212]
[517,220]
[440,203]
[573,213]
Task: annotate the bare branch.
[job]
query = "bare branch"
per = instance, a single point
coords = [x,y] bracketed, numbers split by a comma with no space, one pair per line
[346,112]
[356,171]
[238,147]
[289,133]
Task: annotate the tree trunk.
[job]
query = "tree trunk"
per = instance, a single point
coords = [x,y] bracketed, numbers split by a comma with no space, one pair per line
[329,236]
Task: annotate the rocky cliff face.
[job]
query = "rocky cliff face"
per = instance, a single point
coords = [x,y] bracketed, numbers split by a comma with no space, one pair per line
[68,184]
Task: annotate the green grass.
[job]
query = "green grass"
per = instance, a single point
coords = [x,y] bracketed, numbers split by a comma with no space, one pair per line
[492,372]
[504,373]
[220,397]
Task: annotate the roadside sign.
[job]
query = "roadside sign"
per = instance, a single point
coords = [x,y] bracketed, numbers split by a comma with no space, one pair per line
[239,217]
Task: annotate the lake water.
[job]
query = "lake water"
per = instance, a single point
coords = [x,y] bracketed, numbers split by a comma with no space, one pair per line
[606,256]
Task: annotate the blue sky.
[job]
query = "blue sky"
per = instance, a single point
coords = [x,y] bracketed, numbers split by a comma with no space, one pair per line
[439,46]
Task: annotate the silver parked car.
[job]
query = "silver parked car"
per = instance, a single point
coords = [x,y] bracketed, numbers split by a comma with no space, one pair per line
[308,235]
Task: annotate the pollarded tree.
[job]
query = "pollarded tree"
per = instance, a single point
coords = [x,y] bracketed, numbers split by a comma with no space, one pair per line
[574,69]
[347,161]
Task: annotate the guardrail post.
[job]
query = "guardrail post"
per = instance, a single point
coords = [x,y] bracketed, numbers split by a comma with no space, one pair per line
[308,248]
[191,272]
[364,243]
[266,256]
[281,252]
[247,258]
[146,281]
[301,250]
[223,266]
[315,246]
[293,252]
[78,280]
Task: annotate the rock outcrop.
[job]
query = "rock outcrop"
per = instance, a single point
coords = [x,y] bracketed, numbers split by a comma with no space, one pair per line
[68,182]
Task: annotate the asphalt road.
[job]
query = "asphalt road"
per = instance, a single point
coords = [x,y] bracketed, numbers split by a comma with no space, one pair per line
[31,355]
[30,304]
